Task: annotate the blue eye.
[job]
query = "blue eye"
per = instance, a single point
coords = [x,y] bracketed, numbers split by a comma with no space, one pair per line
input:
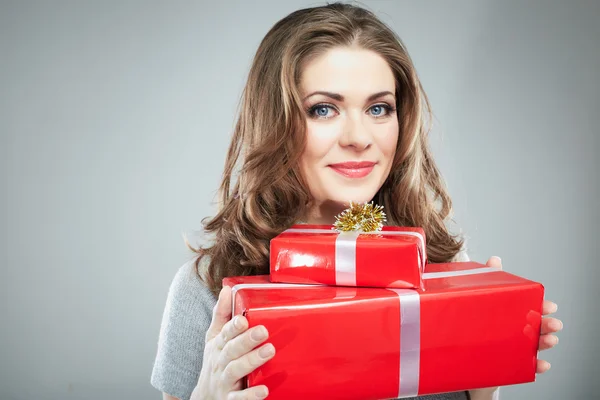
[320,111]
[381,110]
[377,110]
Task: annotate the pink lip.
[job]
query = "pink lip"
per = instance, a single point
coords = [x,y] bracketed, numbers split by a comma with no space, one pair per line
[353,169]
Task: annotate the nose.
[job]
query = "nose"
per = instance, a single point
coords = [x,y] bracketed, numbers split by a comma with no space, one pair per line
[356,134]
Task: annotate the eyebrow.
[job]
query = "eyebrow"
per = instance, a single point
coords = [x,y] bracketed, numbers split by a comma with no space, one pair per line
[339,97]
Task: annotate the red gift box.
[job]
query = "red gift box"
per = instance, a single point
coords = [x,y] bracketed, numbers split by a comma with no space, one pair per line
[472,327]
[394,257]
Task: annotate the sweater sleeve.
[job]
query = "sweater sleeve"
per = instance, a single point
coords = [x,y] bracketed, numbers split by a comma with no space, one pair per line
[186,318]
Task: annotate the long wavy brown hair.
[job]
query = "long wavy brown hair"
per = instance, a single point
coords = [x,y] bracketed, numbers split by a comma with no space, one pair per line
[262,192]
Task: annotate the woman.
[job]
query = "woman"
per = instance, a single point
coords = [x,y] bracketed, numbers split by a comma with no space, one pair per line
[332,111]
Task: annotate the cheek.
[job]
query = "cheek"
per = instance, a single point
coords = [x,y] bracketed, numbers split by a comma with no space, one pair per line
[320,138]
[388,138]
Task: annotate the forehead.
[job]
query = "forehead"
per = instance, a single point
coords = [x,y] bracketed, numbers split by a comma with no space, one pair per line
[349,71]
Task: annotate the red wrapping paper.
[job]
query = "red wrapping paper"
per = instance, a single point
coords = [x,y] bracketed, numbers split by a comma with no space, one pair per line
[474,331]
[394,257]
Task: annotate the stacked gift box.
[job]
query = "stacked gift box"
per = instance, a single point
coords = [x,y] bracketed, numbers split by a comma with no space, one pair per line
[362,315]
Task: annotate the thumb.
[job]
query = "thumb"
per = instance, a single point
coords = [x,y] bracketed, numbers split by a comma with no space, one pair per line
[221,313]
[494,262]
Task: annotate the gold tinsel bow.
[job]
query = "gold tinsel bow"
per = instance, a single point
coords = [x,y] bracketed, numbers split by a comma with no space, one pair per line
[360,217]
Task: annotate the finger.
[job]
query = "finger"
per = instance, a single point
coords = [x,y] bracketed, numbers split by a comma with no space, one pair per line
[242,344]
[549,307]
[255,392]
[550,325]
[231,330]
[221,313]
[494,262]
[237,369]
[542,366]
[547,342]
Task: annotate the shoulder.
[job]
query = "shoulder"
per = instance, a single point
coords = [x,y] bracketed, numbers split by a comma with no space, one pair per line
[461,256]
[187,285]
[188,296]
[186,318]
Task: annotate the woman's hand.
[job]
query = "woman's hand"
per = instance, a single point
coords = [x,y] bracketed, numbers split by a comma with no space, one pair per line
[549,325]
[230,354]
[547,339]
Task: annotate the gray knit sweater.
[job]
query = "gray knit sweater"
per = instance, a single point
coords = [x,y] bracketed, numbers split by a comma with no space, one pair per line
[186,318]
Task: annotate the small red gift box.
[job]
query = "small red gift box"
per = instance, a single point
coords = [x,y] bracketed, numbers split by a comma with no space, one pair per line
[394,257]
[472,327]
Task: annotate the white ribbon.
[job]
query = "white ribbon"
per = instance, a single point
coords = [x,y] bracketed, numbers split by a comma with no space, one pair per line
[449,274]
[410,342]
[345,259]
[345,251]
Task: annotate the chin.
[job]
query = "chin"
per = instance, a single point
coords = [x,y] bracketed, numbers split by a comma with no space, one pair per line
[355,196]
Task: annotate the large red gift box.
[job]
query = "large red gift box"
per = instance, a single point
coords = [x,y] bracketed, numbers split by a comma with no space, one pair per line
[472,327]
[393,257]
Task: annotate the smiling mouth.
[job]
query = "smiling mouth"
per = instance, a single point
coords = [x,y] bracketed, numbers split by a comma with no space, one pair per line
[353,169]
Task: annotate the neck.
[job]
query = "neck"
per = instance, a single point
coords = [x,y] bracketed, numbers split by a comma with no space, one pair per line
[324,213]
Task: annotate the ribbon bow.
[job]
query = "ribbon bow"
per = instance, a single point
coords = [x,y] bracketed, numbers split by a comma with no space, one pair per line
[365,217]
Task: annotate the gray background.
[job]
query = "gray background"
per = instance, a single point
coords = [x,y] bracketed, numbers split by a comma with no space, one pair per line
[115,117]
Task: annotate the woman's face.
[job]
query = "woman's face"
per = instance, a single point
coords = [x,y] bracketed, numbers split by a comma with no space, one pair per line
[352,125]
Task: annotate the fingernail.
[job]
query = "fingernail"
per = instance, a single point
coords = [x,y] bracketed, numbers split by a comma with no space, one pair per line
[498,258]
[557,325]
[237,322]
[555,340]
[554,307]
[259,333]
[262,393]
[266,351]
